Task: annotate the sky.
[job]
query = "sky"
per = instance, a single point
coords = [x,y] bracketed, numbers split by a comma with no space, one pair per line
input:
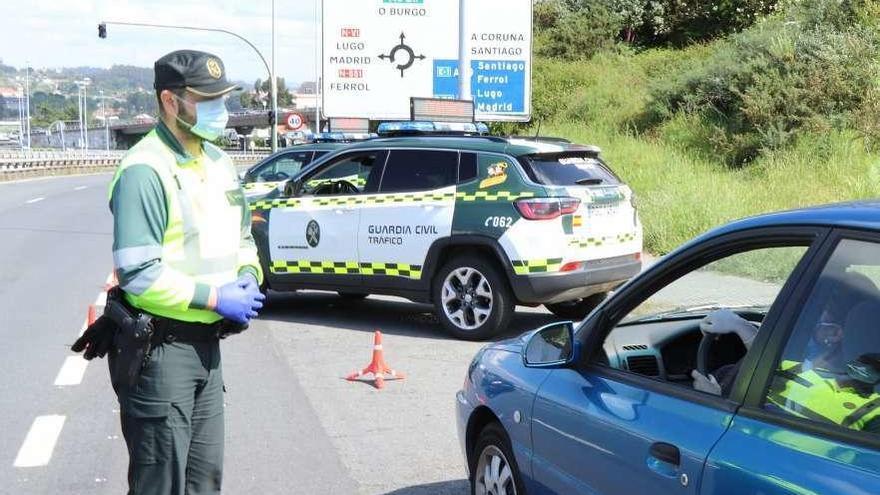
[64,33]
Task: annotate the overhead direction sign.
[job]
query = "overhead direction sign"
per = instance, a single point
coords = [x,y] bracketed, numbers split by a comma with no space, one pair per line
[380,53]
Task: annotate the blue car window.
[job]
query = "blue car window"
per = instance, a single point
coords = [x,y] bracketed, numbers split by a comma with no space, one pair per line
[661,337]
[829,371]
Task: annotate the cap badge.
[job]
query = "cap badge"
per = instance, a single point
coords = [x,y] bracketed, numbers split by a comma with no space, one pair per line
[214,68]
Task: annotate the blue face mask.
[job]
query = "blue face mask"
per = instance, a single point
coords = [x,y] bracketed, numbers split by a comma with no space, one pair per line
[211,119]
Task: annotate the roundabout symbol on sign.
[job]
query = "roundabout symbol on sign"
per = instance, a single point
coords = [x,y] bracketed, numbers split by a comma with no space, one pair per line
[295,121]
[411,56]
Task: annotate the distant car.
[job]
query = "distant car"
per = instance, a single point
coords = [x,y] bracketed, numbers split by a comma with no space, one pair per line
[609,406]
[472,224]
[265,176]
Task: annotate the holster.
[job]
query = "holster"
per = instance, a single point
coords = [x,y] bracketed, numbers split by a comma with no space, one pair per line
[134,337]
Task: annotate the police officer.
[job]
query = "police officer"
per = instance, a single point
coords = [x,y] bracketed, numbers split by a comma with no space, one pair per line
[185,259]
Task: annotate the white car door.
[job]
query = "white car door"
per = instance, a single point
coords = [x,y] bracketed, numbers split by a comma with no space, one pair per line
[412,209]
[312,236]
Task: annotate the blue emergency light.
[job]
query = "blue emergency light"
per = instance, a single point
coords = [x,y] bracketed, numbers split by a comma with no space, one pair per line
[428,128]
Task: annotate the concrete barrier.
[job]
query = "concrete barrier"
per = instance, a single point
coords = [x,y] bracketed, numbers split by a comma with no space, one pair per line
[27,164]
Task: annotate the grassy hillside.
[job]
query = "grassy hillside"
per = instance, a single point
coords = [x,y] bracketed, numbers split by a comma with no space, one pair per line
[713,132]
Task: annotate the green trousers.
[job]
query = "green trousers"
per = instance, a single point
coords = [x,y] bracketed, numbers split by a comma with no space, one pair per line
[172,420]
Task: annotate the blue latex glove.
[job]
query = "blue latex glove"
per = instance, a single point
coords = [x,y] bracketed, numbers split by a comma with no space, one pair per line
[239,301]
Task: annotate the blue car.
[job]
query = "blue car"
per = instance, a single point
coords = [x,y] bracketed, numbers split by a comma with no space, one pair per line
[745,362]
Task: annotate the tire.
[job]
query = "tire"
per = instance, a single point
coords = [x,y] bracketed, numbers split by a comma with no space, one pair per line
[352,296]
[578,309]
[503,478]
[472,298]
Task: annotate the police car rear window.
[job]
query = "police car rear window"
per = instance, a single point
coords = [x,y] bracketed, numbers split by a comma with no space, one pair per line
[568,170]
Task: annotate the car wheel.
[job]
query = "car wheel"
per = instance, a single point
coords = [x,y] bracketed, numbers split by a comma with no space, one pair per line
[352,296]
[472,299]
[577,309]
[493,467]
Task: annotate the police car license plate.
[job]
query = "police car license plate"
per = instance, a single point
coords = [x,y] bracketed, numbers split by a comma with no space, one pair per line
[603,211]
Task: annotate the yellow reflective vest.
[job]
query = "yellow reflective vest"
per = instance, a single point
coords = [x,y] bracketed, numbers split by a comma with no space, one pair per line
[807,394]
[204,239]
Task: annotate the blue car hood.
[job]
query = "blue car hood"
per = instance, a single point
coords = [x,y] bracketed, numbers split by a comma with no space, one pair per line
[514,344]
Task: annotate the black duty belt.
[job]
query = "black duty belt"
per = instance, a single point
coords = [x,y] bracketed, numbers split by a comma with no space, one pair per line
[168,330]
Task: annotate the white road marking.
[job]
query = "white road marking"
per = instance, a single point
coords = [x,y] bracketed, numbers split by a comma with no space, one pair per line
[40,441]
[35,200]
[72,371]
[79,188]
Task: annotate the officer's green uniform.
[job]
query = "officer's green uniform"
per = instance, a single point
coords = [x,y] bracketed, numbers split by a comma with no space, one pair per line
[181,226]
[809,395]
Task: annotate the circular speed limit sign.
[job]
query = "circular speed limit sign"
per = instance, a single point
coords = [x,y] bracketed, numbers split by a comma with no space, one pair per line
[295,121]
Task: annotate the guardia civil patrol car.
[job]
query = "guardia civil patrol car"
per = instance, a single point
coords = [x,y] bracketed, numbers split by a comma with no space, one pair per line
[473,224]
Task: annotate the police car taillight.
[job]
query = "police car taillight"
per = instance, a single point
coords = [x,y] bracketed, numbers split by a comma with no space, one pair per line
[546,208]
[567,206]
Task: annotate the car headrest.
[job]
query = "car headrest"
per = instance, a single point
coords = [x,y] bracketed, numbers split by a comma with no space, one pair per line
[846,290]
[861,331]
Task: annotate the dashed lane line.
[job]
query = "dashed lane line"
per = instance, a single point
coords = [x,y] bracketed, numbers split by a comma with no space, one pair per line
[72,371]
[35,200]
[40,441]
[80,188]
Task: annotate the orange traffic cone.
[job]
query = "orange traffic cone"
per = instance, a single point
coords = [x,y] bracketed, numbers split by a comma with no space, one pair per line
[93,315]
[377,366]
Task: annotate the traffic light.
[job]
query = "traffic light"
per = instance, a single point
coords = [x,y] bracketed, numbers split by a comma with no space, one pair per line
[102,30]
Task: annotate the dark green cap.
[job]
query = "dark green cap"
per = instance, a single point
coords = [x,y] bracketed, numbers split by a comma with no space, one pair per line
[199,72]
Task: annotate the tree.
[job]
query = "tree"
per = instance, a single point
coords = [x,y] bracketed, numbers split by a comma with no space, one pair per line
[263,94]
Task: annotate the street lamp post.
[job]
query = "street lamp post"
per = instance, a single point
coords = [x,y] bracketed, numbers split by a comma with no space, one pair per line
[106,121]
[61,131]
[102,32]
[27,92]
[318,35]
[20,118]
[274,120]
[84,113]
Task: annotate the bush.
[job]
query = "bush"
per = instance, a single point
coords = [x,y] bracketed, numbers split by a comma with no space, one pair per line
[681,22]
[761,87]
[576,29]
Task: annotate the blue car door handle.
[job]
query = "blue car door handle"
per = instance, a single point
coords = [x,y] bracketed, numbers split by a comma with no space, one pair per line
[666,452]
[664,459]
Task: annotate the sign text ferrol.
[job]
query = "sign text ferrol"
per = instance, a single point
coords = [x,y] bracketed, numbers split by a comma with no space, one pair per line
[379,53]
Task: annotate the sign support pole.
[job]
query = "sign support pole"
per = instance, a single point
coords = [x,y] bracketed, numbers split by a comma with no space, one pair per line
[464,69]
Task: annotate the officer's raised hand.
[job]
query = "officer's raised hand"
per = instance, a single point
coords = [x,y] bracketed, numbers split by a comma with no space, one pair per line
[239,301]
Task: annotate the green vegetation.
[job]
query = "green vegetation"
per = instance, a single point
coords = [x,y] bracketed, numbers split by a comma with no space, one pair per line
[781,114]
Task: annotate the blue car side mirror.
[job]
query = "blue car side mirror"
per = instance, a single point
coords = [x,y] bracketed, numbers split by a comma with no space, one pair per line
[551,346]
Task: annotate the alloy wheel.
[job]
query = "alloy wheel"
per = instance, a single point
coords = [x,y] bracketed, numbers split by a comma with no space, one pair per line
[467,298]
[493,475]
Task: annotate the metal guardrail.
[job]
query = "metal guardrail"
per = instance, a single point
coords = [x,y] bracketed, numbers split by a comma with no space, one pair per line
[20,164]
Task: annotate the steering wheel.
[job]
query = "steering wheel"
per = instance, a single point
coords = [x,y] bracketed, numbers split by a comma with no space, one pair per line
[280,176]
[343,186]
[704,351]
